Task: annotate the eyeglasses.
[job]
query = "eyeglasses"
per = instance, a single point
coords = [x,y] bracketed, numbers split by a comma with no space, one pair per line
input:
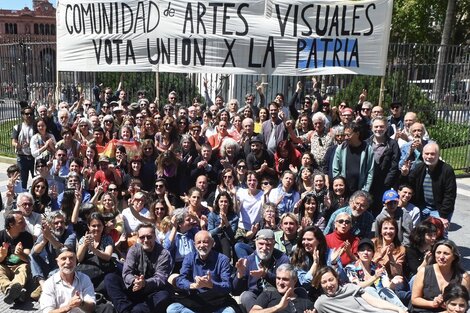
[347,222]
[109,121]
[228,176]
[394,107]
[112,189]
[148,237]
[138,117]
[265,183]
[159,186]
[26,204]
[241,167]
[365,109]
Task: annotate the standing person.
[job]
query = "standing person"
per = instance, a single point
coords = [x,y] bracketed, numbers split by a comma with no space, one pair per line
[68,290]
[21,139]
[143,287]
[15,247]
[273,130]
[386,158]
[286,298]
[396,121]
[354,160]
[204,282]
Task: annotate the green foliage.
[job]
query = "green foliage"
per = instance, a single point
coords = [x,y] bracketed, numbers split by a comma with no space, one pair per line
[422,21]
[396,89]
[448,134]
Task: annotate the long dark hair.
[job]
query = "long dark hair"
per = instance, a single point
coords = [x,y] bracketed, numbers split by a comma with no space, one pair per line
[230,202]
[418,234]
[309,197]
[455,291]
[298,257]
[457,270]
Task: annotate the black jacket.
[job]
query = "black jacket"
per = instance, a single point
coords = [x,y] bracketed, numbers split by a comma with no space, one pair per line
[444,187]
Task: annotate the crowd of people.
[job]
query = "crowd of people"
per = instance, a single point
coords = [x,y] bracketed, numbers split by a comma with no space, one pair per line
[320,209]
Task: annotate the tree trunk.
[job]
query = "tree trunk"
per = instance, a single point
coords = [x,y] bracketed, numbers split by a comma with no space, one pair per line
[440,77]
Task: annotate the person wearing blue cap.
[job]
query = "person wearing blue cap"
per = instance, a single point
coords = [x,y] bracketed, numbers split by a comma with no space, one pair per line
[390,208]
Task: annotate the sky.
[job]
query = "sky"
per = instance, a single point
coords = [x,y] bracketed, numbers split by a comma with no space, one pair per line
[19,4]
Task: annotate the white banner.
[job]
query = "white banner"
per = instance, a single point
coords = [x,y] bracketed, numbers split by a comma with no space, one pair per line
[275,37]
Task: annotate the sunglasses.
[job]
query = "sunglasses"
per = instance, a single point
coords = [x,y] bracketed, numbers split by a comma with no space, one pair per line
[365,109]
[112,189]
[159,186]
[265,183]
[148,237]
[347,222]
[241,167]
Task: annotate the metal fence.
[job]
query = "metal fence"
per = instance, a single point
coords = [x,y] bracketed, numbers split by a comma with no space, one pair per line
[28,71]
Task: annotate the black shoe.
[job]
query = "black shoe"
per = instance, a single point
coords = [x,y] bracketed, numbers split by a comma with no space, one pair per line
[12,293]
[23,296]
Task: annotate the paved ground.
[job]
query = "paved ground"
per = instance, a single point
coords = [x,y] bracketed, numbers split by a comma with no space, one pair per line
[459,232]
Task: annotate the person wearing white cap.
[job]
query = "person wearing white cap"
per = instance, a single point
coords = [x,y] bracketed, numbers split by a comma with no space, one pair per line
[258,270]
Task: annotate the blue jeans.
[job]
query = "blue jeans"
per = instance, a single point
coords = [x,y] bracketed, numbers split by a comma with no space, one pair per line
[42,265]
[386,294]
[243,250]
[26,165]
[179,308]
[427,212]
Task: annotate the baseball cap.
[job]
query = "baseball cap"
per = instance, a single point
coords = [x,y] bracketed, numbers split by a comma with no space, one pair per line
[390,195]
[265,234]
[366,241]
[256,138]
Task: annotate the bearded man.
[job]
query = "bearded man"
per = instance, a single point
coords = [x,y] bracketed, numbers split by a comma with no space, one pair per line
[258,270]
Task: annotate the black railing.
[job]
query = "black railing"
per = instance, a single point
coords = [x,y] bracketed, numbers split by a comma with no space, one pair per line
[28,72]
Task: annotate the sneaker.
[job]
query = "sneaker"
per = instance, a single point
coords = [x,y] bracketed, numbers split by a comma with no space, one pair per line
[36,294]
[12,293]
[23,296]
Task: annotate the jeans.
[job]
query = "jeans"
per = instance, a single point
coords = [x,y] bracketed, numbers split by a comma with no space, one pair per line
[41,265]
[127,301]
[26,165]
[247,300]
[386,294]
[242,250]
[427,212]
[179,308]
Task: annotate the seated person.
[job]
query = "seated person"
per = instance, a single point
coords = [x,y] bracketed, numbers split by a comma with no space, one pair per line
[15,246]
[286,298]
[342,242]
[256,272]
[372,276]
[204,283]
[143,285]
[68,290]
[180,240]
[24,204]
[43,257]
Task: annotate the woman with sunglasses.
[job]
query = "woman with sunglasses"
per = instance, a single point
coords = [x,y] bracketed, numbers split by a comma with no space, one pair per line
[41,199]
[241,171]
[341,242]
[83,133]
[110,131]
[167,137]
[182,124]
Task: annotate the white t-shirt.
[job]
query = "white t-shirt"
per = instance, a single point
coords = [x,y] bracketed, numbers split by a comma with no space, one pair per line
[130,222]
[250,208]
